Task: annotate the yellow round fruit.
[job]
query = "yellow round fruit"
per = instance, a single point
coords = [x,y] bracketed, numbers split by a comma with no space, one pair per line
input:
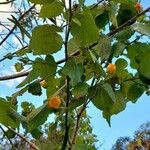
[43,84]
[54,102]
[111,68]
[138,6]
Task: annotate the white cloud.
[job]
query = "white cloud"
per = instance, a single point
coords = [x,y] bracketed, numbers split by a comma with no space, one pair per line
[13,82]
[5,13]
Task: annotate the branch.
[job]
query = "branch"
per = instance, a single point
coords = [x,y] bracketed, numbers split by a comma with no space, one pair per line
[14,27]
[24,139]
[97,4]
[22,74]
[66,136]
[1,3]
[127,23]
[87,100]
[5,133]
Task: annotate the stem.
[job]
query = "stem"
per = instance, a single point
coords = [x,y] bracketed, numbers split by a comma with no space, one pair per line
[87,100]
[66,136]
[5,133]
[22,74]
[24,139]
[14,27]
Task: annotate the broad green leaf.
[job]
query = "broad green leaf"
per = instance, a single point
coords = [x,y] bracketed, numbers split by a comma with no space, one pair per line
[80,90]
[124,34]
[19,67]
[74,103]
[113,10]
[118,49]
[37,133]
[116,108]
[101,20]
[35,88]
[41,1]
[103,48]
[45,40]
[104,97]
[121,63]
[142,28]
[134,92]
[72,46]
[22,52]
[74,70]
[144,64]
[43,68]
[86,34]
[52,10]
[37,117]
[136,50]
[6,117]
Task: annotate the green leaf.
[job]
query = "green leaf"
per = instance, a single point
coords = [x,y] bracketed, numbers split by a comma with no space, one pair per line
[124,34]
[134,92]
[74,103]
[81,89]
[87,33]
[144,64]
[35,88]
[41,1]
[101,20]
[37,133]
[43,68]
[116,108]
[121,63]
[19,67]
[22,52]
[103,48]
[74,70]
[142,28]
[52,10]
[45,40]
[118,49]
[113,10]
[5,116]
[136,50]
[37,117]
[105,97]
[72,46]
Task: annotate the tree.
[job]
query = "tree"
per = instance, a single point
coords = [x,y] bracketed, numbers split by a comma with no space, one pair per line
[99,44]
[141,139]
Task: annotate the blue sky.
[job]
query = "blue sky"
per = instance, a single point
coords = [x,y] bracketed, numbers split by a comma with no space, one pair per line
[123,124]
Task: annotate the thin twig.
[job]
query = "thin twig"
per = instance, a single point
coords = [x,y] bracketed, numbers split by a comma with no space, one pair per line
[5,133]
[66,136]
[127,23]
[24,139]
[87,100]
[14,27]
[22,74]
[97,4]
[7,2]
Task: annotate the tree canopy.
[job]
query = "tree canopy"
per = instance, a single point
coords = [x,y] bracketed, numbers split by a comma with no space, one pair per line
[75,54]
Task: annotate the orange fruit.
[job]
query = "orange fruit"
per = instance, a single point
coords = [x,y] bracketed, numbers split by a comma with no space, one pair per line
[54,102]
[138,6]
[43,84]
[111,68]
